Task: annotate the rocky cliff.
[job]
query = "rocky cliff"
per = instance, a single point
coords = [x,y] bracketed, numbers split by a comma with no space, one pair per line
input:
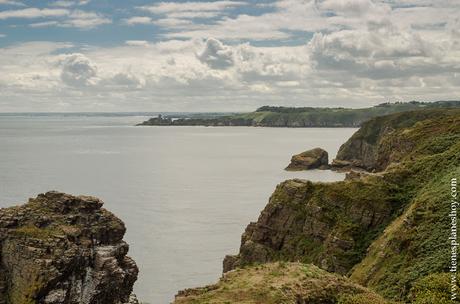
[375,145]
[65,249]
[330,225]
[385,228]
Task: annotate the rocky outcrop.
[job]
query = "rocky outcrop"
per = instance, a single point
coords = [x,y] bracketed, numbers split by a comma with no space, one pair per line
[65,249]
[274,283]
[311,159]
[329,225]
[374,146]
[384,228]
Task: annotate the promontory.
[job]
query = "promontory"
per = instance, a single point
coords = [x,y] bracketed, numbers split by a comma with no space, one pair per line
[64,249]
[380,236]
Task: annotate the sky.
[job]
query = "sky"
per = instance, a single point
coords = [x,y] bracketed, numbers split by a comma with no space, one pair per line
[120,55]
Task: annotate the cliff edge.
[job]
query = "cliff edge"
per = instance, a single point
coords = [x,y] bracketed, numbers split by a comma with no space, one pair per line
[385,227]
[276,283]
[59,248]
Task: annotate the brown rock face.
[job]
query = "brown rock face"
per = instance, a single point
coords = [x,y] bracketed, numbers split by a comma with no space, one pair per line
[311,159]
[378,143]
[64,249]
[327,224]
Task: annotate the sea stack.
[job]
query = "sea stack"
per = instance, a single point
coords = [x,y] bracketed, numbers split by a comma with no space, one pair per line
[311,159]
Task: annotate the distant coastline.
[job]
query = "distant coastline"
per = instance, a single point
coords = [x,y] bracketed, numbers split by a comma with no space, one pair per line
[291,117]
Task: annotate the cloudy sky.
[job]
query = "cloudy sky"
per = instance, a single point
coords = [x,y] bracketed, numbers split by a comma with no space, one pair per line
[118,55]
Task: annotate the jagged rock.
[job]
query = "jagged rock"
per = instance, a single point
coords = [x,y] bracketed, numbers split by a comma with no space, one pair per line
[64,249]
[328,224]
[311,159]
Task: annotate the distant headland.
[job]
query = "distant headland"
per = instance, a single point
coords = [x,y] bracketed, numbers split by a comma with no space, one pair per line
[302,117]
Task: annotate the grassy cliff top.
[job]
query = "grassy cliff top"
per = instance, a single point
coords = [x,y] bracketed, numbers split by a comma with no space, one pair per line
[276,283]
[386,230]
[302,117]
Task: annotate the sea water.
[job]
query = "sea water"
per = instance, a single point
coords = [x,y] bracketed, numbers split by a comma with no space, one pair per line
[186,194]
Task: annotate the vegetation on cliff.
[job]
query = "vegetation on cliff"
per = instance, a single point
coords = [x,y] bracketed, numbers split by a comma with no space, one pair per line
[416,244]
[319,223]
[64,249]
[275,283]
[387,229]
[269,116]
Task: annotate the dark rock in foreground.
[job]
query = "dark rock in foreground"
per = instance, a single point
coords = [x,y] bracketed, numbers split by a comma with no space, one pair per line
[60,248]
[311,159]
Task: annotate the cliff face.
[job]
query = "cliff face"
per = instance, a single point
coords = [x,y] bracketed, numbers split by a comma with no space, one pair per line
[375,145]
[387,228]
[65,249]
[414,248]
[329,225]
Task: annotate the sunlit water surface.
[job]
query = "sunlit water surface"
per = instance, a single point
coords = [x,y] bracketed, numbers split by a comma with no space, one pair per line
[185,193]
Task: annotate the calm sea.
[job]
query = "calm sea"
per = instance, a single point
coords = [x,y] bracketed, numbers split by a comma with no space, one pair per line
[185,193]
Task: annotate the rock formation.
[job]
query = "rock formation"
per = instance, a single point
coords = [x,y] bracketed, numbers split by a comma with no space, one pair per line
[329,225]
[311,159]
[384,228]
[373,147]
[65,249]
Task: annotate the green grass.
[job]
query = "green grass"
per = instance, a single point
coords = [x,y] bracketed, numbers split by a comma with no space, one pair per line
[278,283]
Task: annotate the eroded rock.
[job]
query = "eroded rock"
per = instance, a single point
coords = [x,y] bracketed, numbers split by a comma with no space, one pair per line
[64,249]
[311,159]
[327,224]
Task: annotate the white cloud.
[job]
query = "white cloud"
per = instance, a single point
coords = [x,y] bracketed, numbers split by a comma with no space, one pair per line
[2,35]
[33,13]
[381,52]
[194,14]
[85,20]
[173,22]
[361,52]
[354,7]
[78,70]
[69,3]
[76,19]
[171,7]
[63,3]
[44,24]
[11,2]
[216,55]
[138,20]
[61,17]
[137,43]
[290,15]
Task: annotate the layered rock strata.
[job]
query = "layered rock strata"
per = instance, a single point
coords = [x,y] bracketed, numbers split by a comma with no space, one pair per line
[65,249]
